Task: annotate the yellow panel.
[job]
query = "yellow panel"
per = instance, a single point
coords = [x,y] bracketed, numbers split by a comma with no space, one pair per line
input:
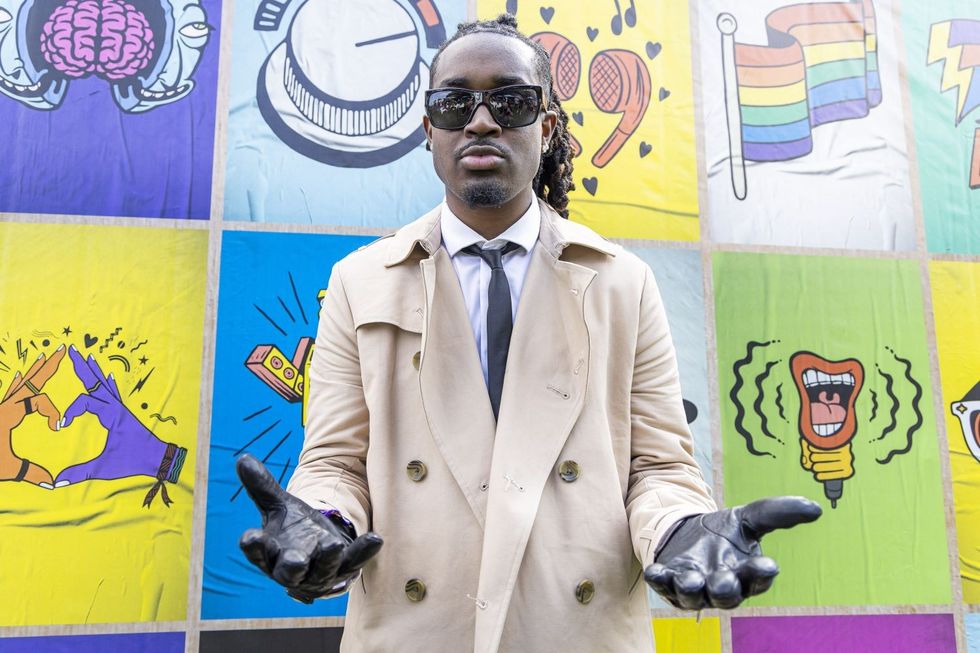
[687,635]
[955,288]
[649,189]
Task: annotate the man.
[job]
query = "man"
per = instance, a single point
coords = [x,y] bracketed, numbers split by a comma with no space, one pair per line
[519,510]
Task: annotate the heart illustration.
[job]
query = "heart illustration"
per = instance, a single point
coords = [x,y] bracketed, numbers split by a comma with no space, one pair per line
[90,340]
[664,94]
[653,49]
[547,13]
[578,117]
[591,32]
[591,184]
[645,149]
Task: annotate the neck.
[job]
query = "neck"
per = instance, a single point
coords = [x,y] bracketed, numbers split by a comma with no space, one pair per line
[491,221]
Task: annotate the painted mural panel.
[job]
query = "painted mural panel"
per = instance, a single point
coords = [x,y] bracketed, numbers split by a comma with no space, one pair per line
[100,363]
[108,107]
[268,305]
[130,643]
[972,627]
[943,43]
[909,633]
[955,289]
[686,635]
[824,378]
[622,72]
[321,640]
[325,114]
[804,126]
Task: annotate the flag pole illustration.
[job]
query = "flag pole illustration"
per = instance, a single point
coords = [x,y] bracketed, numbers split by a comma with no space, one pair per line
[820,65]
[957,44]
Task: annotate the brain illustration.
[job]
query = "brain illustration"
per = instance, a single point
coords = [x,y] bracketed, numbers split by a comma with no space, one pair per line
[108,38]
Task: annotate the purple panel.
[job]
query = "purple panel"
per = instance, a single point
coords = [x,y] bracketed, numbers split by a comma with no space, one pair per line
[141,643]
[915,633]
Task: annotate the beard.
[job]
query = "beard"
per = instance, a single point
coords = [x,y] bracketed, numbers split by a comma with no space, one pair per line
[485,194]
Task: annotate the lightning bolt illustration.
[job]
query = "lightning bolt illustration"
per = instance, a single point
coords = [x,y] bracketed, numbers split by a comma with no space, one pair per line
[139,384]
[957,44]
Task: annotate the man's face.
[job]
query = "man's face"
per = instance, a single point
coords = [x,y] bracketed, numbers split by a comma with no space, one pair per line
[484,164]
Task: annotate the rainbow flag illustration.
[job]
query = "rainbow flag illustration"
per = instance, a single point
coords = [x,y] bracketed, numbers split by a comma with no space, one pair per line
[820,65]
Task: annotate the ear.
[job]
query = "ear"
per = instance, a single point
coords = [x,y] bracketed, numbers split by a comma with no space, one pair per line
[427,126]
[548,124]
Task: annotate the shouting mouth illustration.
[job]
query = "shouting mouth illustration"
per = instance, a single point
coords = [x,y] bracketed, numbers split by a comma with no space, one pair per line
[828,390]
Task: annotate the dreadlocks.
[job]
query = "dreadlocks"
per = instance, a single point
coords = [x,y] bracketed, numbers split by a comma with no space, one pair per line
[554,178]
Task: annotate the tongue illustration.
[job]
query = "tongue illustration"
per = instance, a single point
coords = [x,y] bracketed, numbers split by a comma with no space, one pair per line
[827,410]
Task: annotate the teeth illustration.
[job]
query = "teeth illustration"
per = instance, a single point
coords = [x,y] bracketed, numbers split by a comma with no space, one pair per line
[21,88]
[813,378]
[825,430]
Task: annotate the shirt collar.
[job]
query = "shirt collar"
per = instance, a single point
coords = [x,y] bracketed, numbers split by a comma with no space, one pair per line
[456,235]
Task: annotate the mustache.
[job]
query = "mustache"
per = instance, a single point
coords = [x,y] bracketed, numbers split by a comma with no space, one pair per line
[482,144]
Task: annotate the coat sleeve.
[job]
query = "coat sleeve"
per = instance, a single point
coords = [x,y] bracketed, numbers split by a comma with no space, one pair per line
[331,473]
[665,482]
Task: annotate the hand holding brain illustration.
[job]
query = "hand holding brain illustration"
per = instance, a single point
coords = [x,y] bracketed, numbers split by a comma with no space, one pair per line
[22,398]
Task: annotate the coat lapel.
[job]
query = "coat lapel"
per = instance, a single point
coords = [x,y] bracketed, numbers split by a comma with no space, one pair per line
[543,395]
[454,395]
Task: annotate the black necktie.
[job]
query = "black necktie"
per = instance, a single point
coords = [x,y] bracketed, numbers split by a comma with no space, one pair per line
[500,322]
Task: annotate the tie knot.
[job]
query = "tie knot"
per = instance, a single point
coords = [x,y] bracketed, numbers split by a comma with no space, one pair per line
[493,257]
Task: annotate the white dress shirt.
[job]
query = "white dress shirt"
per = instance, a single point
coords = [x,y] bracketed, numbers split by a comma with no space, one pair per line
[474,273]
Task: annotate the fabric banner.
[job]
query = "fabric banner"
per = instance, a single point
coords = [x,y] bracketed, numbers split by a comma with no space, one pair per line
[825,389]
[325,115]
[804,125]
[957,325]
[268,305]
[943,43]
[136,643]
[633,124]
[907,633]
[100,386]
[108,107]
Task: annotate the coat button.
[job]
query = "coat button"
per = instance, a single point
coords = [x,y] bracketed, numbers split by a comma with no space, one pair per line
[416,470]
[568,470]
[584,591]
[415,590]
[417,360]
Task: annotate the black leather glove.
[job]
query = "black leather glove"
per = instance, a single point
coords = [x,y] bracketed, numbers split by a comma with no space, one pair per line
[715,560]
[308,553]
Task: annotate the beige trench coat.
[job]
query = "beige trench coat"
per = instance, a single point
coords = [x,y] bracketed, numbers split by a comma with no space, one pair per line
[502,530]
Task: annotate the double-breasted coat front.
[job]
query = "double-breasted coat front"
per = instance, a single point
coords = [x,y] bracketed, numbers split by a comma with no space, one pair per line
[527,534]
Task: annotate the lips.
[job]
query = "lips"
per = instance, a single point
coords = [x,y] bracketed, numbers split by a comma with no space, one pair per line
[828,391]
[481,157]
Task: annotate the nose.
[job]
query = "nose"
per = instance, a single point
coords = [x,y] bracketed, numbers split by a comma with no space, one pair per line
[482,123]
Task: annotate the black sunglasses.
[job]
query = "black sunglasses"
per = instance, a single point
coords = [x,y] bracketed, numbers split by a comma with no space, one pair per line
[511,106]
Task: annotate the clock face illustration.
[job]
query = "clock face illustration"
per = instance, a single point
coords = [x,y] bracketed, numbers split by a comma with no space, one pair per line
[346,86]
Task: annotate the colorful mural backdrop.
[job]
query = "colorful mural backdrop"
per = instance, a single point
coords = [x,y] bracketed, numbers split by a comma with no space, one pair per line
[957,323]
[827,395]
[623,75]
[328,95]
[803,113]
[268,307]
[98,421]
[808,169]
[943,43]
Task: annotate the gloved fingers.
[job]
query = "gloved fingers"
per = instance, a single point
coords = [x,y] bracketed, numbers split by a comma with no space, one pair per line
[300,595]
[689,588]
[757,574]
[291,568]
[660,578]
[360,552]
[325,561]
[766,515]
[261,550]
[260,484]
[724,589]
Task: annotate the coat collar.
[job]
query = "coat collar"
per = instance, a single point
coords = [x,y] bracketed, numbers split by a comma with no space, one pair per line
[556,235]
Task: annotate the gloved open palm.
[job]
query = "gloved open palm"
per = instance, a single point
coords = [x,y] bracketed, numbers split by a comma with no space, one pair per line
[715,559]
[311,555]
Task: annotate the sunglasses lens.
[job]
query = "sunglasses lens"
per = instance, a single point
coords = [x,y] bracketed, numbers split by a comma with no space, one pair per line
[449,109]
[517,107]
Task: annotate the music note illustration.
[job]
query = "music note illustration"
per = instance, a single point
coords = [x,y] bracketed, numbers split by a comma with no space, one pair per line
[617,20]
[566,68]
